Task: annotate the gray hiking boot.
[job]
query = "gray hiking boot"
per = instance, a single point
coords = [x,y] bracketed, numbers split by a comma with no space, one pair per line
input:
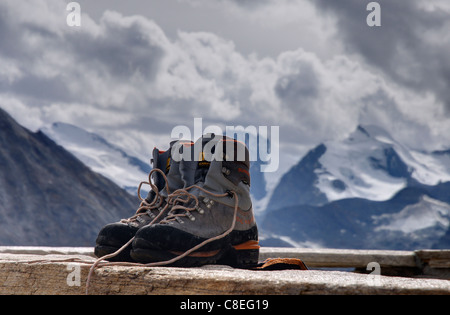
[214,224]
[166,178]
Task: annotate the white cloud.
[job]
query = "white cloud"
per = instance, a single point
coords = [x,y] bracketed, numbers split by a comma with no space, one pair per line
[269,27]
[122,77]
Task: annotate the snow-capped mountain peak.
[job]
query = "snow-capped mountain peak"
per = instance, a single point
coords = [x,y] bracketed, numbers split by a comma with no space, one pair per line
[100,155]
[368,190]
[363,165]
[371,164]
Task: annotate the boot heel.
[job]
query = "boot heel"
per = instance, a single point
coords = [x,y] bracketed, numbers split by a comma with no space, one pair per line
[247,258]
[245,255]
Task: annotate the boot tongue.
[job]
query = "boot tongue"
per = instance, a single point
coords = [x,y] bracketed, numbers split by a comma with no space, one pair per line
[160,160]
[195,170]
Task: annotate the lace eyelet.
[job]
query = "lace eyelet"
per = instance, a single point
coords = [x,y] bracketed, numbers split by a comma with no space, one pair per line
[179,220]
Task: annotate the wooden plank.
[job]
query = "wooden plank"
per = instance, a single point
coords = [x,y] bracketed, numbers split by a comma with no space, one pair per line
[434,258]
[319,257]
[342,258]
[54,274]
[47,250]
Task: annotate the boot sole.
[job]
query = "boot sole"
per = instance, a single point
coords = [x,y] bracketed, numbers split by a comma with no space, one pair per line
[244,255]
[102,250]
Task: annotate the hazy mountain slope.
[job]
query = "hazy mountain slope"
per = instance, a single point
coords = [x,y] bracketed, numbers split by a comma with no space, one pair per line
[102,157]
[47,196]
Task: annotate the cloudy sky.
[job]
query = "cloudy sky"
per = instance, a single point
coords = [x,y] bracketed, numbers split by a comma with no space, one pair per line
[135,69]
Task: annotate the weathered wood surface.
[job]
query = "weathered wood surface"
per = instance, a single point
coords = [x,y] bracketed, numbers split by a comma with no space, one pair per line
[321,257]
[343,258]
[313,257]
[419,263]
[54,274]
[46,250]
[434,258]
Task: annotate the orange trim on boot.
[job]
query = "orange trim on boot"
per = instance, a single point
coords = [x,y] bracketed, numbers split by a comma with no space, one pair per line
[247,245]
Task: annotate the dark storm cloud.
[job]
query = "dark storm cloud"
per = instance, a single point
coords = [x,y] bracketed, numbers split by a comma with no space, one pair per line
[52,89]
[409,47]
[8,44]
[14,36]
[123,49]
[48,61]
[298,87]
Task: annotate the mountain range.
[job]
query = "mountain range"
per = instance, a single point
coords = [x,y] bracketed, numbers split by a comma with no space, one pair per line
[115,163]
[60,185]
[49,197]
[366,191]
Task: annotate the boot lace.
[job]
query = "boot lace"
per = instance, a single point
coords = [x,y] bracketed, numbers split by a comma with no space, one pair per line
[178,210]
[146,207]
[191,204]
[178,196]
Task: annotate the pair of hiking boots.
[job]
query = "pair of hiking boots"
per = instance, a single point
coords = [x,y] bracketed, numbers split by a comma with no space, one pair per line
[198,212]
